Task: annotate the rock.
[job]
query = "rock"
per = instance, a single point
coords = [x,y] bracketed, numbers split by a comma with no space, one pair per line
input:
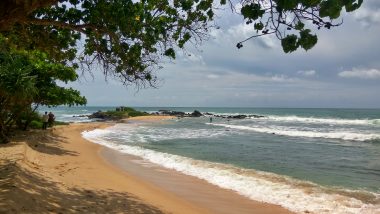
[82,115]
[256,116]
[171,113]
[177,113]
[196,113]
[98,115]
[240,116]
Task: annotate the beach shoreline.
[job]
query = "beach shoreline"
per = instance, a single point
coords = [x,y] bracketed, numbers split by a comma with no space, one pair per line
[59,171]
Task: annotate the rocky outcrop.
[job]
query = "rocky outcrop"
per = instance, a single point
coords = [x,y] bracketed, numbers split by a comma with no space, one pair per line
[99,115]
[172,113]
[196,113]
[240,116]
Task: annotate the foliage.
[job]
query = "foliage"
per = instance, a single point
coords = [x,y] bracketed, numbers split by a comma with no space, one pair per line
[287,19]
[136,113]
[130,38]
[27,80]
[115,114]
[35,124]
[60,123]
[120,113]
[125,112]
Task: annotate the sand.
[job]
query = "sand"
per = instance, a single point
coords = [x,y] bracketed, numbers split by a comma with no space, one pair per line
[57,171]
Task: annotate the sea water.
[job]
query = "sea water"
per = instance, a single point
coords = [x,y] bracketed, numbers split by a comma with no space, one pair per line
[314,160]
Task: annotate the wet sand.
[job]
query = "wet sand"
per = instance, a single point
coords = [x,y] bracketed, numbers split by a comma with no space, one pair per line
[192,189]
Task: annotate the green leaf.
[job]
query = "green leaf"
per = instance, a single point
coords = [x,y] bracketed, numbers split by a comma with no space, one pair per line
[299,26]
[310,3]
[252,11]
[258,26]
[307,40]
[330,8]
[286,4]
[170,53]
[289,43]
[352,5]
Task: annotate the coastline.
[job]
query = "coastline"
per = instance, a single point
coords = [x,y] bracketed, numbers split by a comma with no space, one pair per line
[59,171]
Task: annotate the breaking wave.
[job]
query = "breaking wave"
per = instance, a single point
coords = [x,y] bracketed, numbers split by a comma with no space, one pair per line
[295,195]
[300,133]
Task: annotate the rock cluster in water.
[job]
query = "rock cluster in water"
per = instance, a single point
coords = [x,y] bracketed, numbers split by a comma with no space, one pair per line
[99,115]
[197,113]
[105,116]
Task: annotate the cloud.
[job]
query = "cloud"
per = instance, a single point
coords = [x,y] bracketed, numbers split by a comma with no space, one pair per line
[213,76]
[243,31]
[368,14]
[279,78]
[361,73]
[307,73]
[190,57]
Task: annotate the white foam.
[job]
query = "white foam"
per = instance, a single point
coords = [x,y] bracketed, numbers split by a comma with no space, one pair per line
[144,134]
[299,133]
[312,120]
[292,194]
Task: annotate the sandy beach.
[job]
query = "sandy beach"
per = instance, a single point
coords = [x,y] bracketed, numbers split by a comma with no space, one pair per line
[58,171]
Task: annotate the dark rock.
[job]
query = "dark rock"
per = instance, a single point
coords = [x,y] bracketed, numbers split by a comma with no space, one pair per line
[82,115]
[196,113]
[177,113]
[171,113]
[240,116]
[98,115]
[255,116]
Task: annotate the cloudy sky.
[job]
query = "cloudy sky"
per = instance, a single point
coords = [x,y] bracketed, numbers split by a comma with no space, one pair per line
[342,70]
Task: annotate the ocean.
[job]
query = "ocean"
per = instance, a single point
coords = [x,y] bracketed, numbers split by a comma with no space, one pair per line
[315,160]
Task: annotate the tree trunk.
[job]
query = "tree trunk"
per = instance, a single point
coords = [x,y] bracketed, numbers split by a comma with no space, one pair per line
[3,138]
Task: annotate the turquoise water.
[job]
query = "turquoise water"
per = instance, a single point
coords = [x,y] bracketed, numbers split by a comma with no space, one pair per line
[286,145]
[327,158]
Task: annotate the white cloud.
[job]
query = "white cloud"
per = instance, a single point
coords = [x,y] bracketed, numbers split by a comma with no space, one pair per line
[368,16]
[361,73]
[243,31]
[307,73]
[190,57]
[213,76]
[280,78]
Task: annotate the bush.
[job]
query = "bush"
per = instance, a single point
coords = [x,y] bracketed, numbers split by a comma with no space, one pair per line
[35,124]
[127,112]
[137,113]
[60,123]
[116,114]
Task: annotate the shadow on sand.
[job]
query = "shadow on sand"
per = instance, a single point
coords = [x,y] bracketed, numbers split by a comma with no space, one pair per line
[25,191]
[44,141]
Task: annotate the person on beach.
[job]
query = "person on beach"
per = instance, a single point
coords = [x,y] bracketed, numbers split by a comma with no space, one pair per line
[45,119]
[51,119]
[210,119]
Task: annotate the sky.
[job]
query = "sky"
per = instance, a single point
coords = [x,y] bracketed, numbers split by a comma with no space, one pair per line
[341,71]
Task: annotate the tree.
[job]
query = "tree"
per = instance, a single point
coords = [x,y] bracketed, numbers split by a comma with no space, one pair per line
[291,20]
[29,78]
[129,38]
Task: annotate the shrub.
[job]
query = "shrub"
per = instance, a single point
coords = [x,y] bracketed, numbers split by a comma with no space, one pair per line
[35,124]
